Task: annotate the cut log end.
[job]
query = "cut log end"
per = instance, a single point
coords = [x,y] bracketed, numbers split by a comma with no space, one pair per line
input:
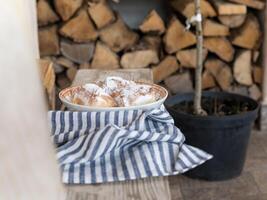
[165,68]
[221,72]
[242,68]
[139,58]
[232,21]
[118,36]
[153,23]
[208,80]
[257,4]
[187,58]
[79,28]
[78,53]
[212,28]
[249,34]
[101,14]
[221,47]
[176,37]
[176,83]
[226,8]
[187,8]
[67,9]
[45,14]
[104,58]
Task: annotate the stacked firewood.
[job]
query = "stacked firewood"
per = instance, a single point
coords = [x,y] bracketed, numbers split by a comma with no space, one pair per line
[79,34]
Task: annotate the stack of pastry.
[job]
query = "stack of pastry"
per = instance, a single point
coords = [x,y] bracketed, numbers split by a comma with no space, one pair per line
[114,92]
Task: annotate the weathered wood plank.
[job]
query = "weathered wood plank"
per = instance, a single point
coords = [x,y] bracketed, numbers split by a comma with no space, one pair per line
[92,75]
[143,189]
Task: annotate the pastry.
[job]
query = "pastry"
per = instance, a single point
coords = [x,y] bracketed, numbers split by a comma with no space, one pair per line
[129,93]
[114,92]
[92,95]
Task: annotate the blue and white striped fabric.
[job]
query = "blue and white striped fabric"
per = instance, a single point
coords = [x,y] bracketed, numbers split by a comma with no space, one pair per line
[97,147]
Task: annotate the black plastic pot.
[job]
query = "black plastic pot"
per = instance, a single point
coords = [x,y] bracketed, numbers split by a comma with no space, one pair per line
[226,137]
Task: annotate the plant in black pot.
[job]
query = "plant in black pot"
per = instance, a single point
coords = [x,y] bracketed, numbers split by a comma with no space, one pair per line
[217,122]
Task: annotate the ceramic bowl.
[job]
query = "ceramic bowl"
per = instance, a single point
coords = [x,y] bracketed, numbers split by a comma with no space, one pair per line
[64,94]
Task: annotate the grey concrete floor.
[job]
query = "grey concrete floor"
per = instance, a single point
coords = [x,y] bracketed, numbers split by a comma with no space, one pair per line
[251,185]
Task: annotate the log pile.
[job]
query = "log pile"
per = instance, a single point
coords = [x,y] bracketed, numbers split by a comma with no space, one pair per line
[82,34]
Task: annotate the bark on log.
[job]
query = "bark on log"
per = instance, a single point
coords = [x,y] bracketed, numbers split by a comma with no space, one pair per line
[152,42]
[255,56]
[257,74]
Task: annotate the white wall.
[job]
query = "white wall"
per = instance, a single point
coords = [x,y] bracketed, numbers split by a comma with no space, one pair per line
[28,168]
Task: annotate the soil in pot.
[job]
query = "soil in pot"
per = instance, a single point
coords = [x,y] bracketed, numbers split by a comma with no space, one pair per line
[224,132]
[215,106]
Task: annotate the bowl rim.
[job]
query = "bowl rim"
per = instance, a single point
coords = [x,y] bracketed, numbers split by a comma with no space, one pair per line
[83,107]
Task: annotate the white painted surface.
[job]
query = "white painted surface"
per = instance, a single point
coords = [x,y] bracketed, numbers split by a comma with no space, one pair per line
[28,168]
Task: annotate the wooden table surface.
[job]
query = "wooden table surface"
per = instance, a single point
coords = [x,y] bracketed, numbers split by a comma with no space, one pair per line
[149,188]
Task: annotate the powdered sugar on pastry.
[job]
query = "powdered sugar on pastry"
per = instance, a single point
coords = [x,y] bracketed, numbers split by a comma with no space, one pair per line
[93,95]
[129,93]
[115,91]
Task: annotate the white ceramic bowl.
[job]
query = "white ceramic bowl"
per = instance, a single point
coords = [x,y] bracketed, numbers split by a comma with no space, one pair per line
[75,107]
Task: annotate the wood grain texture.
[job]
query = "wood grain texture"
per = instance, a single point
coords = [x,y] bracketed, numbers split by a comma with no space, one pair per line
[142,189]
[257,4]
[232,21]
[92,75]
[226,8]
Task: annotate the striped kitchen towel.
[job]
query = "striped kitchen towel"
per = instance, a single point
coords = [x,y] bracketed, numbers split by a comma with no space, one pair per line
[97,147]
